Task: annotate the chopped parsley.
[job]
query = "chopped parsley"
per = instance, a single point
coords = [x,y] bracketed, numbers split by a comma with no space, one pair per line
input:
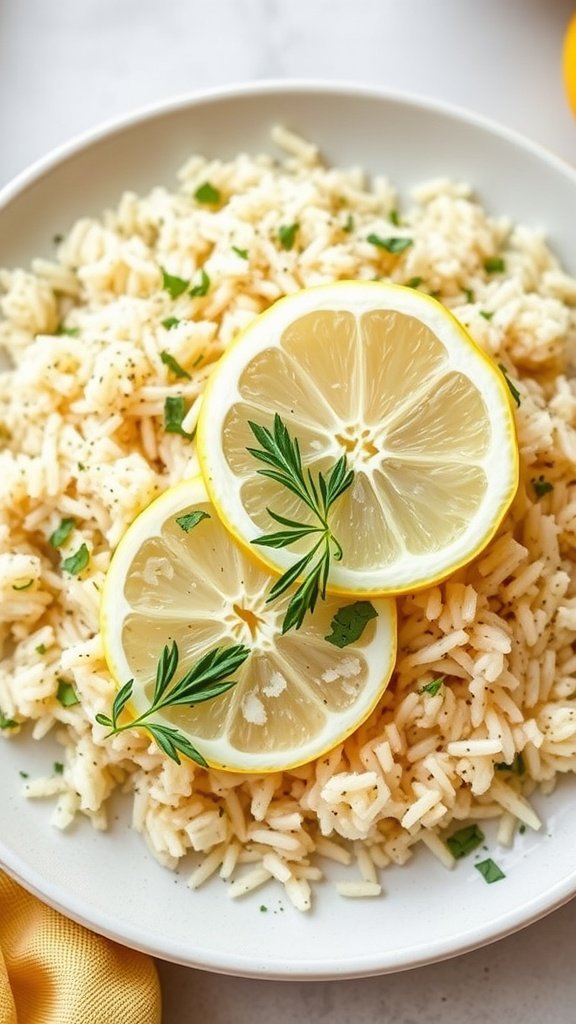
[174,412]
[433,686]
[174,366]
[350,622]
[494,265]
[242,253]
[263,908]
[487,313]
[489,870]
[58,768]
[393,245]
[511,386]
[66,693]
[207,193]
[469,295]
[541,486]
[170,322]
[516,766]
[203,287]
[394,218]
[414,282]
[175,286]
[22,586]
[24,775]
[61,533]
[466,839]
[76,562]
[287,235]
[191,519]
[348,224]
[7,723]
[71,332]
[41,649]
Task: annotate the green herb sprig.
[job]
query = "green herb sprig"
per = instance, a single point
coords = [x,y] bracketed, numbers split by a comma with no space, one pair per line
[208,677]
[281,454]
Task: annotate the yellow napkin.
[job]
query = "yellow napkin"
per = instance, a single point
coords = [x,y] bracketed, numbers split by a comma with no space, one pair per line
[54,971]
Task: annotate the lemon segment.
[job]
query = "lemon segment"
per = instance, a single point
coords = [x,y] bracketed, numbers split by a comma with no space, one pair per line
[296,696]
[388,376]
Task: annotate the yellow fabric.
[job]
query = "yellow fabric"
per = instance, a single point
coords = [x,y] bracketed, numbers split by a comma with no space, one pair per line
[54,971]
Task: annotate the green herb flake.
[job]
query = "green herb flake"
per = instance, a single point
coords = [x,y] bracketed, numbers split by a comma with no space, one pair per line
[24,775]
[191,519]
[541,486]
[242,253]
[522,828]
[22,586]
[77,562]
[469,295]
[394,218]
[511,386]
[287,235]
[207,193]
[393,245]
[348,224]
[81,467]
[466,839]
[263,908]
[516,766]
[413,282]
[170,322]
[350,622]
[175,286]
[174,366]
[203,287]
[433,686]
[70,332]
[7,723]
[66,693]
[61,533]
[41,649]
[58,768]
[487,313]
[489,870]
[174,412]
[494,265]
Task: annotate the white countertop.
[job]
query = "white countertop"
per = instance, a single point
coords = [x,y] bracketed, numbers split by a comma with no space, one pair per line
[66,65]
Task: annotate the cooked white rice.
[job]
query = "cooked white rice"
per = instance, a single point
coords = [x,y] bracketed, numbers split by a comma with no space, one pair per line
[81,421]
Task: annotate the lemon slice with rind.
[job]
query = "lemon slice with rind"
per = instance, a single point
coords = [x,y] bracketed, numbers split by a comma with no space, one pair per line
[386,375]
[296,695]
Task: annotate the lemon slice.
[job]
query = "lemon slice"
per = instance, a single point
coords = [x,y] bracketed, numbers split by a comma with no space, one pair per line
[569,63]
[297,695]
[388,376]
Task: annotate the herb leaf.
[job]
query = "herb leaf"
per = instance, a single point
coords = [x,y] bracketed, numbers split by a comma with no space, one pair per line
[174,366]
[433,686]
[61,533]
[393,245]
[516,766]
[7,723]
[243,253]
[191,519]
[203,287]
[466,839]
[174,412]
[511,386]
[175,286]
[207,678]
[208,194]
[494,265]
[489,870]
[281,455]
[66,693]
[23,586]
[287,235]
[70,332]
[76,562]
[350,622]
[541,486]
[169,323]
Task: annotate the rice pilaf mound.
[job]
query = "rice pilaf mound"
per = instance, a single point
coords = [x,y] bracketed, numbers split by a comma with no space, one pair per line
[103,334]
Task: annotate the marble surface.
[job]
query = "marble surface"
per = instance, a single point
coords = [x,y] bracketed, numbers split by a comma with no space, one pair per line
[66,65]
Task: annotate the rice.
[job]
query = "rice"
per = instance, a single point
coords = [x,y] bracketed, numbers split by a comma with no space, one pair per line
[81,423]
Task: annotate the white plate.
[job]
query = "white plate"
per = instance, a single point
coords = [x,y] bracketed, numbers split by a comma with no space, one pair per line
[108,881]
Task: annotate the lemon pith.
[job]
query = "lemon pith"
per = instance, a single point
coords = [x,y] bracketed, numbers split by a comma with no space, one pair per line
[297,695]
[389,376]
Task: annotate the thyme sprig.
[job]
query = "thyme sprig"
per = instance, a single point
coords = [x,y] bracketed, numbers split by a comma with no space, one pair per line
[281,454]
[207,678]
